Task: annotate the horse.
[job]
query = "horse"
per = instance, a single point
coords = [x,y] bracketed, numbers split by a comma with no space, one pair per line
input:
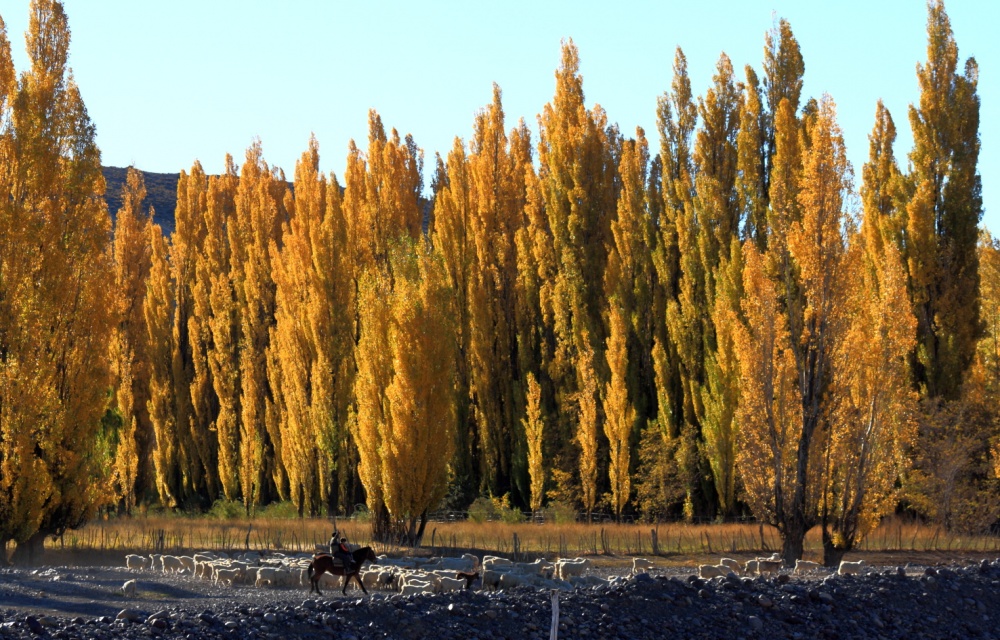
[325,563]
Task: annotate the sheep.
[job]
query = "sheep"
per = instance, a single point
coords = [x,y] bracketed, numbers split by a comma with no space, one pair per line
[571,567]
[156,562]
[128,589]
[641,565]
[850,567]
[171,564]
[266,576]
[538,567]
[451,584]
[769,566]
[751,567]
[511,580]
[467,562]
[733,565]
[137,563]
[416,587]
[491,578]
[226,576]
[494,562]
[187,563]
[803,566]
[713,571]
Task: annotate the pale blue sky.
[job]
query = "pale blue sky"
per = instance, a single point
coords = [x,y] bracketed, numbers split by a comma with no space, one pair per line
[169,82]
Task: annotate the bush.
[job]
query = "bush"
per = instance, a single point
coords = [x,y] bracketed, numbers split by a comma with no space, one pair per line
[559,513]
[482,509]
[279,511]
[223,509]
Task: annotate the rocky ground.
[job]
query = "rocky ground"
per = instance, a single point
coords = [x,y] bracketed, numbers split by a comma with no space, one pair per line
[959,601]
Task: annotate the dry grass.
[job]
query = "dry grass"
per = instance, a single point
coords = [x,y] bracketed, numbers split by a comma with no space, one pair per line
[678,540]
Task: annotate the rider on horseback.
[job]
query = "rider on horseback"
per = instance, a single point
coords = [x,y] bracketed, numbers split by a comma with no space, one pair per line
[343,553]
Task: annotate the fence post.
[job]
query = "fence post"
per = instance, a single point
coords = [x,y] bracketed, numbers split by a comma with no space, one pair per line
[554,630]
[656,542]
[516,545]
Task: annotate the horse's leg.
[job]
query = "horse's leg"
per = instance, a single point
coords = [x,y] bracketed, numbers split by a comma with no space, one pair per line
[315,581]
[347,579]
[357,576]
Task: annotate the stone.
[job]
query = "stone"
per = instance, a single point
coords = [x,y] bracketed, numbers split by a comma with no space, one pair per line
[130,615]
[756,624]
[764,601]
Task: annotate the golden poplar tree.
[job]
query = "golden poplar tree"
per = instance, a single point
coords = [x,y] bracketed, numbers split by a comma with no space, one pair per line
[872,428]
[534,429]
[780,452]
[618,406]
[158,315]
[189,379]
[221,314]
[259,214]
[308,358]
[57,304]
[577,177]
[405,425]
[132,260]
[943,215]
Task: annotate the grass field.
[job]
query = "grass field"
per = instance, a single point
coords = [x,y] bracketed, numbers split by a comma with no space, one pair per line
[679,540]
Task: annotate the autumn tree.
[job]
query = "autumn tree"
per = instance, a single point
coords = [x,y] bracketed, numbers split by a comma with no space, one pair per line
[259,214]
[405,425]
[534,429]
[943,215]
[795,320]
[872,426]
[56,318]
[309,357]
[132,261]
[577,180]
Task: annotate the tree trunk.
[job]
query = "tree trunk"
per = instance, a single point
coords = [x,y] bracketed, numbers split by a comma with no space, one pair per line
[792,542]
[29,552]
[832,554]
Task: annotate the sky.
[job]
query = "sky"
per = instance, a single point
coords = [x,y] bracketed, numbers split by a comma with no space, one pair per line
[167,83]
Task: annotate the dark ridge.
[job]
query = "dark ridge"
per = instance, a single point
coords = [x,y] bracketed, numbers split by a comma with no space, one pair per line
[161,194]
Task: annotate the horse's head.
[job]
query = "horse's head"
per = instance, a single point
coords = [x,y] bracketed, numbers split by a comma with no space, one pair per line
[369,555]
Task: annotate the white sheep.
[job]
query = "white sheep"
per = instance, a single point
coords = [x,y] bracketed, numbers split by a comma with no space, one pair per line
[571,567]
[448,585]
[417,587]
[187,562]
[266,576]
[156,562]
[538,567]
[769,566]
[171,564]
[137,563]
[751,567]
[494,562]
[733,565]
[804,566]
[850,567]
[510,580]
[491,578]
[226,576]
[641,565]
[128,589]
[713,571]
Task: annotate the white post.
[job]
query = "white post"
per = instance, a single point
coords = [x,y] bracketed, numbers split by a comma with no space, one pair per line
[554,632]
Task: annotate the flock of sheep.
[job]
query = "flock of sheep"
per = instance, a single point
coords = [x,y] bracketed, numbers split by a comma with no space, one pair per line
[427,575]
[770,566]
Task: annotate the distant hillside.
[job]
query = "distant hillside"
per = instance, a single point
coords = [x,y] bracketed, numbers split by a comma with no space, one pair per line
[161,194]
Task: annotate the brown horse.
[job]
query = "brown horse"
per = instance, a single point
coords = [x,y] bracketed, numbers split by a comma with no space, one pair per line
[325,563]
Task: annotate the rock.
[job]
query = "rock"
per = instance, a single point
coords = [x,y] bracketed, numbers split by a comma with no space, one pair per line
[783,578]
[34,626]
[270,618]
[48,621]
[764,601]
[159,615]
[756,624]
[130,615]
[825,597]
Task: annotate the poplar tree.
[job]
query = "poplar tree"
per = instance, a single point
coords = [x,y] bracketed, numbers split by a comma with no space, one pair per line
[405,426]
[577,176]
[56,297]
[943,215]
[257,224]
[132,261]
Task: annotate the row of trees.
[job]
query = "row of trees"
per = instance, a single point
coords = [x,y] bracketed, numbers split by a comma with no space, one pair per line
[709,330]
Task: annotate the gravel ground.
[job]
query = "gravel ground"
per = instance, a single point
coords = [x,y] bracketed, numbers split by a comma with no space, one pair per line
[912,602]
